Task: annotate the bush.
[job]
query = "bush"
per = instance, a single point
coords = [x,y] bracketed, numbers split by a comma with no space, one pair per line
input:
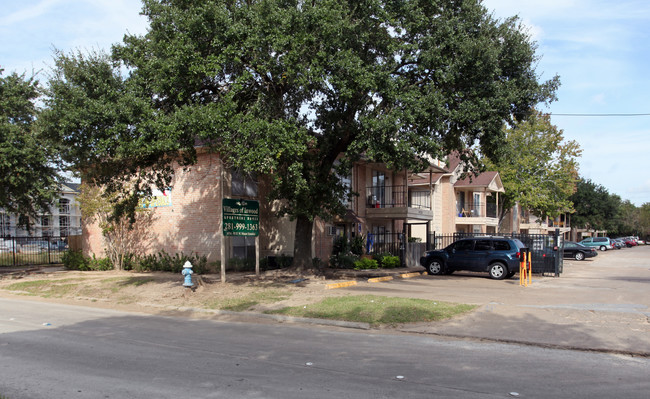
[356,245]
[340,246]
[342,261]
[163,262]
[73,260]
[366,263]
[241,265]
[390,262]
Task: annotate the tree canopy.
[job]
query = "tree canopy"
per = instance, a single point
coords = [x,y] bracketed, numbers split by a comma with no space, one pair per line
[295,89]
[29,182]
[539,169]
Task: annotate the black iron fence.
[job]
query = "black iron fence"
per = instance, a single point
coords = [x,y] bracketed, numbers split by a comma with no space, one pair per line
[20,251]
[546,250]
[384,243]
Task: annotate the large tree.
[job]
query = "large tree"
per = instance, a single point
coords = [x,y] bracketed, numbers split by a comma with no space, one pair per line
[296,89]
[538,168]
[595,208]
[29,182]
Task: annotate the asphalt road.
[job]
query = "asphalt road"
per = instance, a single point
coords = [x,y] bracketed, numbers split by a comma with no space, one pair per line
[56,351]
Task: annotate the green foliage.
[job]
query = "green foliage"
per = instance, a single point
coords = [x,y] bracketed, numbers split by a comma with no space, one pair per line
[297,90]
[378,310]
[75,260]
[340,245]
[356,245]
[539,170]
[389,262]
[366,263]
[163,262]
[593,206]
[28,178]
[343,261]
[241,265]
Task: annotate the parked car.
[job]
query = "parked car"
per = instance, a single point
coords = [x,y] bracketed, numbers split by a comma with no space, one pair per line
[499,256]
[8,246]
[629,242]
[617,244]
[34,246]
[602,243]
[578,251]
[58,246]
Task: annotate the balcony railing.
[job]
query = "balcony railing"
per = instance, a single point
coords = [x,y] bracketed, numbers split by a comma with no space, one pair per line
[396,197]
[477,211]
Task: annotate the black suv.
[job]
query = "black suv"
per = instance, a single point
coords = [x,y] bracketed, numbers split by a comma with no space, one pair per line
[498,256]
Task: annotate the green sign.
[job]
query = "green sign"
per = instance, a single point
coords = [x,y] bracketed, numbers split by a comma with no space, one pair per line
[241,217]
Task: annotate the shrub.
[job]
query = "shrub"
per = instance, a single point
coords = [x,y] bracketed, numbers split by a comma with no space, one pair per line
[356,245]
[390,262]
[163,262]
[342,261]
[74,260]
[340,246]
[366,263]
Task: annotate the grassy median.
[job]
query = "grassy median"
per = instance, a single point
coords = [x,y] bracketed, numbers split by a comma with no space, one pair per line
[378,310]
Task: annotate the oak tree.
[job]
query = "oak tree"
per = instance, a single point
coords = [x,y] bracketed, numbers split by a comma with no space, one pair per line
[298,91]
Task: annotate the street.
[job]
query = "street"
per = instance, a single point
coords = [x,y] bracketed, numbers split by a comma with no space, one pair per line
[57,351]
[517,344]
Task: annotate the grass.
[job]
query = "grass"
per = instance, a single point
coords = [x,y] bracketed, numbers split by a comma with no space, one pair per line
[248,301]
[46,288]
[378,310]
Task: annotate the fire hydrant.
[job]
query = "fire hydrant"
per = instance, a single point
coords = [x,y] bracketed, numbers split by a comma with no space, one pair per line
[187,272]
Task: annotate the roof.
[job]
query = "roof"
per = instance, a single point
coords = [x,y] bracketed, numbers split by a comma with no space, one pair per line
[490,180]
[70,187]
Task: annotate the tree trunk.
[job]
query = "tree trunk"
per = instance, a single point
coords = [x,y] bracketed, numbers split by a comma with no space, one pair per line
[302,258]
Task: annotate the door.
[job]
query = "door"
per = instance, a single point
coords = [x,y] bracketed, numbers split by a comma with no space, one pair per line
[461,256]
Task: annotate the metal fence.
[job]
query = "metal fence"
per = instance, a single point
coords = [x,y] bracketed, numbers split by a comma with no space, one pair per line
[384,243]
[546,250]
[21,251]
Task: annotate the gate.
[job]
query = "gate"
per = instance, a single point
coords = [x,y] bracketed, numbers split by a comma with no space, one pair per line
[20,251]
[546,250]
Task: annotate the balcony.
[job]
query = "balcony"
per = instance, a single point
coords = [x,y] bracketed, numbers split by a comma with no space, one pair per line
[477,214]
[394,202]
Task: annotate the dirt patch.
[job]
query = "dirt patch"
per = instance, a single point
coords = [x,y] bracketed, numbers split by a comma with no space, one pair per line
[163,292]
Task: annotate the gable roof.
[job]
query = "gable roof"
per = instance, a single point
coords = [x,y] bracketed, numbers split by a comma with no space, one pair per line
[490,180]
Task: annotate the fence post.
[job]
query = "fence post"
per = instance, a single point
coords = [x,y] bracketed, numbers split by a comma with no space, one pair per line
[557,259]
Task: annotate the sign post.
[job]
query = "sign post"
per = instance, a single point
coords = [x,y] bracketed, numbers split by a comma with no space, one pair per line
[241,218]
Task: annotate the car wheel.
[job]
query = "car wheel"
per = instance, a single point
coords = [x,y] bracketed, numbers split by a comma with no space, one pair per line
[603,248]
[435,267]
[498,271]
[579,256]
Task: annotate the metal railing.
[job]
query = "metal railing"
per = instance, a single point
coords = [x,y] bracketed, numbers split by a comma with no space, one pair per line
[397,197]
[476,211]
[21,251]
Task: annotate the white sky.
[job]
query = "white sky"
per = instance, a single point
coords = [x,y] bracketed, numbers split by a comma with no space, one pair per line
[599,48]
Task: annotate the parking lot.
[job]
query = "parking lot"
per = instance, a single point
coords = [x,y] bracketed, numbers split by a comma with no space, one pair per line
[601,303]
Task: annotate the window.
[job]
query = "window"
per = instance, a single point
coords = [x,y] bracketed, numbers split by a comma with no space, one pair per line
[379,187]
[243,186]
[482,245]
[5,227]
[46,223]
[243,247]
[64,226]
[501,245]
[465,245]
[64,206]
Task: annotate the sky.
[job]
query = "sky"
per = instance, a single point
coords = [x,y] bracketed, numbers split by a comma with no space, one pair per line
[600,49]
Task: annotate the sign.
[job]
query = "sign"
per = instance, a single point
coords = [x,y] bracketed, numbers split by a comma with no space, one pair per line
[158,199]
[241,217]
